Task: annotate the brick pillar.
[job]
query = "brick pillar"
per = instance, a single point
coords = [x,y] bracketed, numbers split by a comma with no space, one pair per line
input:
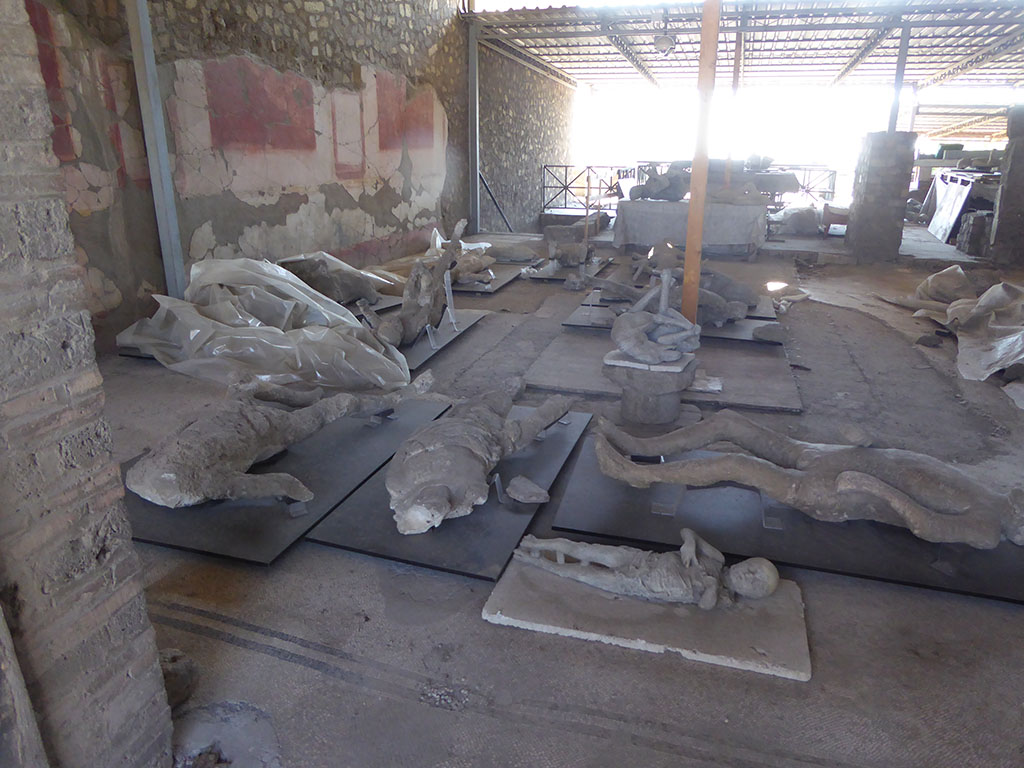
[70,585]
[880,188]
[1007,237]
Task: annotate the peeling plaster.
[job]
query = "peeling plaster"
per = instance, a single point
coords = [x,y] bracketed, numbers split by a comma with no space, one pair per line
[375,171]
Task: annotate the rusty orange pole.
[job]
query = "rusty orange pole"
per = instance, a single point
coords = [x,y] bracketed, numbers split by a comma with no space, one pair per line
[699,172]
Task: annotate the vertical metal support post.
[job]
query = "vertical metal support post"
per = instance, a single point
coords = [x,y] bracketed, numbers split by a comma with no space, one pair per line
[901,66]
[155,132]
[474,128]
[709,26]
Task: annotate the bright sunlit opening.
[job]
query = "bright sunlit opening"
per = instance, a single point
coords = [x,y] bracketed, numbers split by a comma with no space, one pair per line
[774,285]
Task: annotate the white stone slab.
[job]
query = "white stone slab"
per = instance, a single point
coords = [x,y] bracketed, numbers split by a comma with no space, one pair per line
[767,636]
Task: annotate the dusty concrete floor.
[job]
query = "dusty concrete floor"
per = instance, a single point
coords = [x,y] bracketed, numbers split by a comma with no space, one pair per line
[363,662]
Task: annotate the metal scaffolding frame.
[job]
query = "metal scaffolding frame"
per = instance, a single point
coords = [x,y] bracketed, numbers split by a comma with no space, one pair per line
[963,42]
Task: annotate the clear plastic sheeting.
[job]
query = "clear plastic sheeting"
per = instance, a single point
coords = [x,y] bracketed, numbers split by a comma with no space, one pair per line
[245,319]
[989,330]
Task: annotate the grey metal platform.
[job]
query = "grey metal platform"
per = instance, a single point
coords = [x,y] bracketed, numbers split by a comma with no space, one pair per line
[765,309]
[479,544]
[743,523]
[420,351]
[332,463]
[754,376]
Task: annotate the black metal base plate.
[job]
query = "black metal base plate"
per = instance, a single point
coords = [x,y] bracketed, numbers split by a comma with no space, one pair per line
[420,351]
[479,544]
[332,463]
[601,318]
[741,523]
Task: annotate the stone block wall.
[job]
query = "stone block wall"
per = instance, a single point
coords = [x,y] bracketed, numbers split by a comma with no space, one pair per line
[294,126]
[97,136]
[880,187]
[1007,236]
[525,123]
[70,586]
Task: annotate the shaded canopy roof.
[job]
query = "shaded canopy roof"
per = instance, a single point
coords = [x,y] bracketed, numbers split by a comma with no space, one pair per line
[961,42]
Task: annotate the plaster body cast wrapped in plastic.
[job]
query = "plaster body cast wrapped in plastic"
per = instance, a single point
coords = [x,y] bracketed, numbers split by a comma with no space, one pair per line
[245,319]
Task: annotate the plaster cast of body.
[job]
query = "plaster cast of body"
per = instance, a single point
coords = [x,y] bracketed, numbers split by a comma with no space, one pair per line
[342,284]
[833,483]
[443,469]
[696,574]
[208,458]
[712,309]
[423,300]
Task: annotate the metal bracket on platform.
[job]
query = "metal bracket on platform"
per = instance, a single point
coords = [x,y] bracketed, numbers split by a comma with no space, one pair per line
[378,418]
[770,521]
[499,488]
[297,509]
[431,338]
[450,300]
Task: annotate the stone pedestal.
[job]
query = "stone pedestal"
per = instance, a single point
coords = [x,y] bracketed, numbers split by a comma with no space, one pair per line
[650,392]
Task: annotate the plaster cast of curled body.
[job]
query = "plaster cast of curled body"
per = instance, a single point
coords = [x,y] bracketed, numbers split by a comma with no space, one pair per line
[442,470]
[696,574]
[833,483]
[209,457]
[423,300]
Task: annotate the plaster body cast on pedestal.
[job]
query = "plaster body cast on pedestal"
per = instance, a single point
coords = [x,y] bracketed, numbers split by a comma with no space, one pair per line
[833,483]
[713,309]
[443,469]
[696,574]
[208,458]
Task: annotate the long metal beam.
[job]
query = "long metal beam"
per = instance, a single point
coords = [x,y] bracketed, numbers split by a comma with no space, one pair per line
[738,61]
[977,120]
[1004,45]
[543,17]
[632,57]
[699,171]
[577,34]
[874,40]
[901,67]
[162,183]
[474,127]
[528,60]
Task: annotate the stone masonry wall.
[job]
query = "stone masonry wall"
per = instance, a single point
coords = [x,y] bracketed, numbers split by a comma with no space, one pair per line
[294,126]
[1007,235]
[70,586]
[330,42]
[525,122]
[97,136]
[880,187]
